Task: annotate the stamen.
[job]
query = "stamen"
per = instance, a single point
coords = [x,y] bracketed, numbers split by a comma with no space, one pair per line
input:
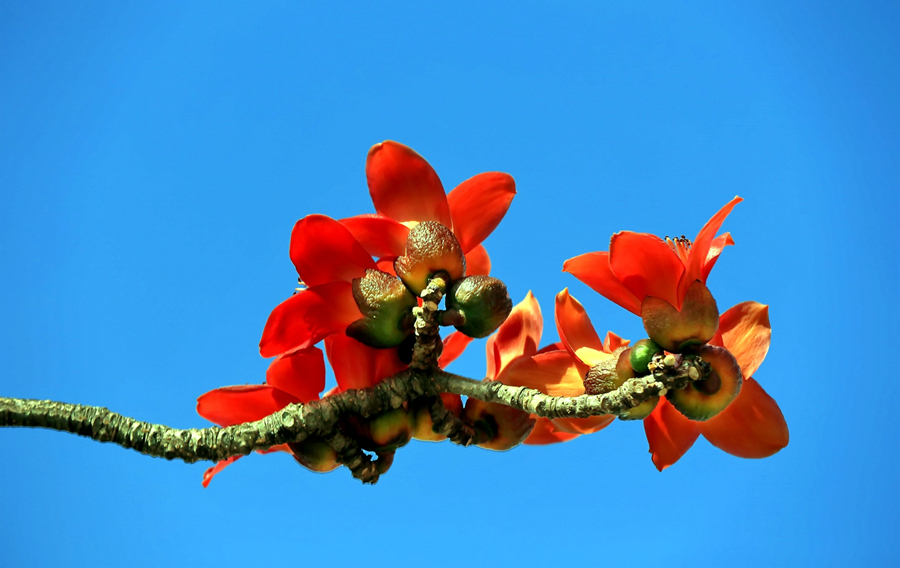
[680,246]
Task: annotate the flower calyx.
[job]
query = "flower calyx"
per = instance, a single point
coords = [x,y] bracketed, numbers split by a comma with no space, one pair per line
[386,305]
[678,331]
[430,248]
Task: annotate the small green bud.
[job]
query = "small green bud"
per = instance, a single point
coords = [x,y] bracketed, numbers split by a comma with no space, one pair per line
[386,305]
[642,354]
[483,302]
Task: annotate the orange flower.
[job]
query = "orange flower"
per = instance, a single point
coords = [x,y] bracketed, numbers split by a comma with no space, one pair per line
[406,191]
[640,265]
[752,426]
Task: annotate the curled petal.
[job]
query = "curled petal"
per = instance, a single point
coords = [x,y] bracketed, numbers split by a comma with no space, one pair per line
[301,373]
[358,366]
[593,269]
[544,432]
[584,425]
[669,433]
[477,206]
[751,427]
[404,186]
[576,331]
[212,471]
[454,345]
[646,265]
[553,373]
[478,262]
[307,317]
[746,332]
[612,342]
[715,249]
[516,337]
[701,247]
[227,406]
[379,235]
[324,251]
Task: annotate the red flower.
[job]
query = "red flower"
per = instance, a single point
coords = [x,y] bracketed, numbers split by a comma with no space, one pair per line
[406,190]
[295,378]
[640,265]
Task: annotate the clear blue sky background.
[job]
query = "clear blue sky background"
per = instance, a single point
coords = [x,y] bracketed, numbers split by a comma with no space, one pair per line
[153,159]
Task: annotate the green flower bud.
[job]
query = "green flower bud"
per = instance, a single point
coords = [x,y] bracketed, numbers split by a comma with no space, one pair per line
[386,305]
[483,302]
[642,354]
[315,455]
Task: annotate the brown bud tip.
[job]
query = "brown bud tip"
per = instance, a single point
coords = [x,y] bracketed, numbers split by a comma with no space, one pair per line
[430,248]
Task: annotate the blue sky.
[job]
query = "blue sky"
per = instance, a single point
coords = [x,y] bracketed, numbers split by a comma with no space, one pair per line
[153,159]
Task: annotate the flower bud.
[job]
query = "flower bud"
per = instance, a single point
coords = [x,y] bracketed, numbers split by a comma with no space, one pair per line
[386,305]
[382,433]
[497,426]
[315,455]
[430,248]
[483,302]
[642,354]
[610,374]
[677,331]
[704,398]
[423,426]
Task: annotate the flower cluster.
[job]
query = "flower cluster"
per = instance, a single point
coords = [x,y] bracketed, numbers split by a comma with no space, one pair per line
[360,281]
[370,283]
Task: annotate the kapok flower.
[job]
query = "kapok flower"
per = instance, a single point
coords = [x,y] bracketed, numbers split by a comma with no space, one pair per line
[513,358]
[295,378]
[664,282]
[752,425]
[406,191]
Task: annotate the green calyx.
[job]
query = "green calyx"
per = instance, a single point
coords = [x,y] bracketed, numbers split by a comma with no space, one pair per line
[430,248]
[386,305]
[706,397]
[482,302]
[679,331]
[315,455]
[383,433]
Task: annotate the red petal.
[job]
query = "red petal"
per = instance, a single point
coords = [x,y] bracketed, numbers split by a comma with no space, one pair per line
[746,332]
[478,262]
[558,346]
[701,247]
[593,269]
[379,235]
[612,342]
[554,373]
[516,337]
[477,206]
[454,345]
[307,317]
[404,186]
[227,406]
[751,427]
[544,432]
[584,425]
[386,264]
[301,373]
[646,265]
[324,251]
[669,433]
[211,472]
[358,366]
[576,331]
[715,249]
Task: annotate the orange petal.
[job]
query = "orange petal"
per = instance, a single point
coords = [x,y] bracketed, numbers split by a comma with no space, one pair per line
[358,366]
[669,433]
[746,332]
[477,206]
[301,373]
[478,262]
[612,342]
[584,425]
[516,337]
[324,251]
[227,406]
[379,235]
[212,471]
[576,331]
[700,248]
[751,427]
[454,345]
[715,249]
[386,264]
[593,269]
[554,373]
[307,317]
[646,265]
[558,346]
[544,432]
[404,186]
